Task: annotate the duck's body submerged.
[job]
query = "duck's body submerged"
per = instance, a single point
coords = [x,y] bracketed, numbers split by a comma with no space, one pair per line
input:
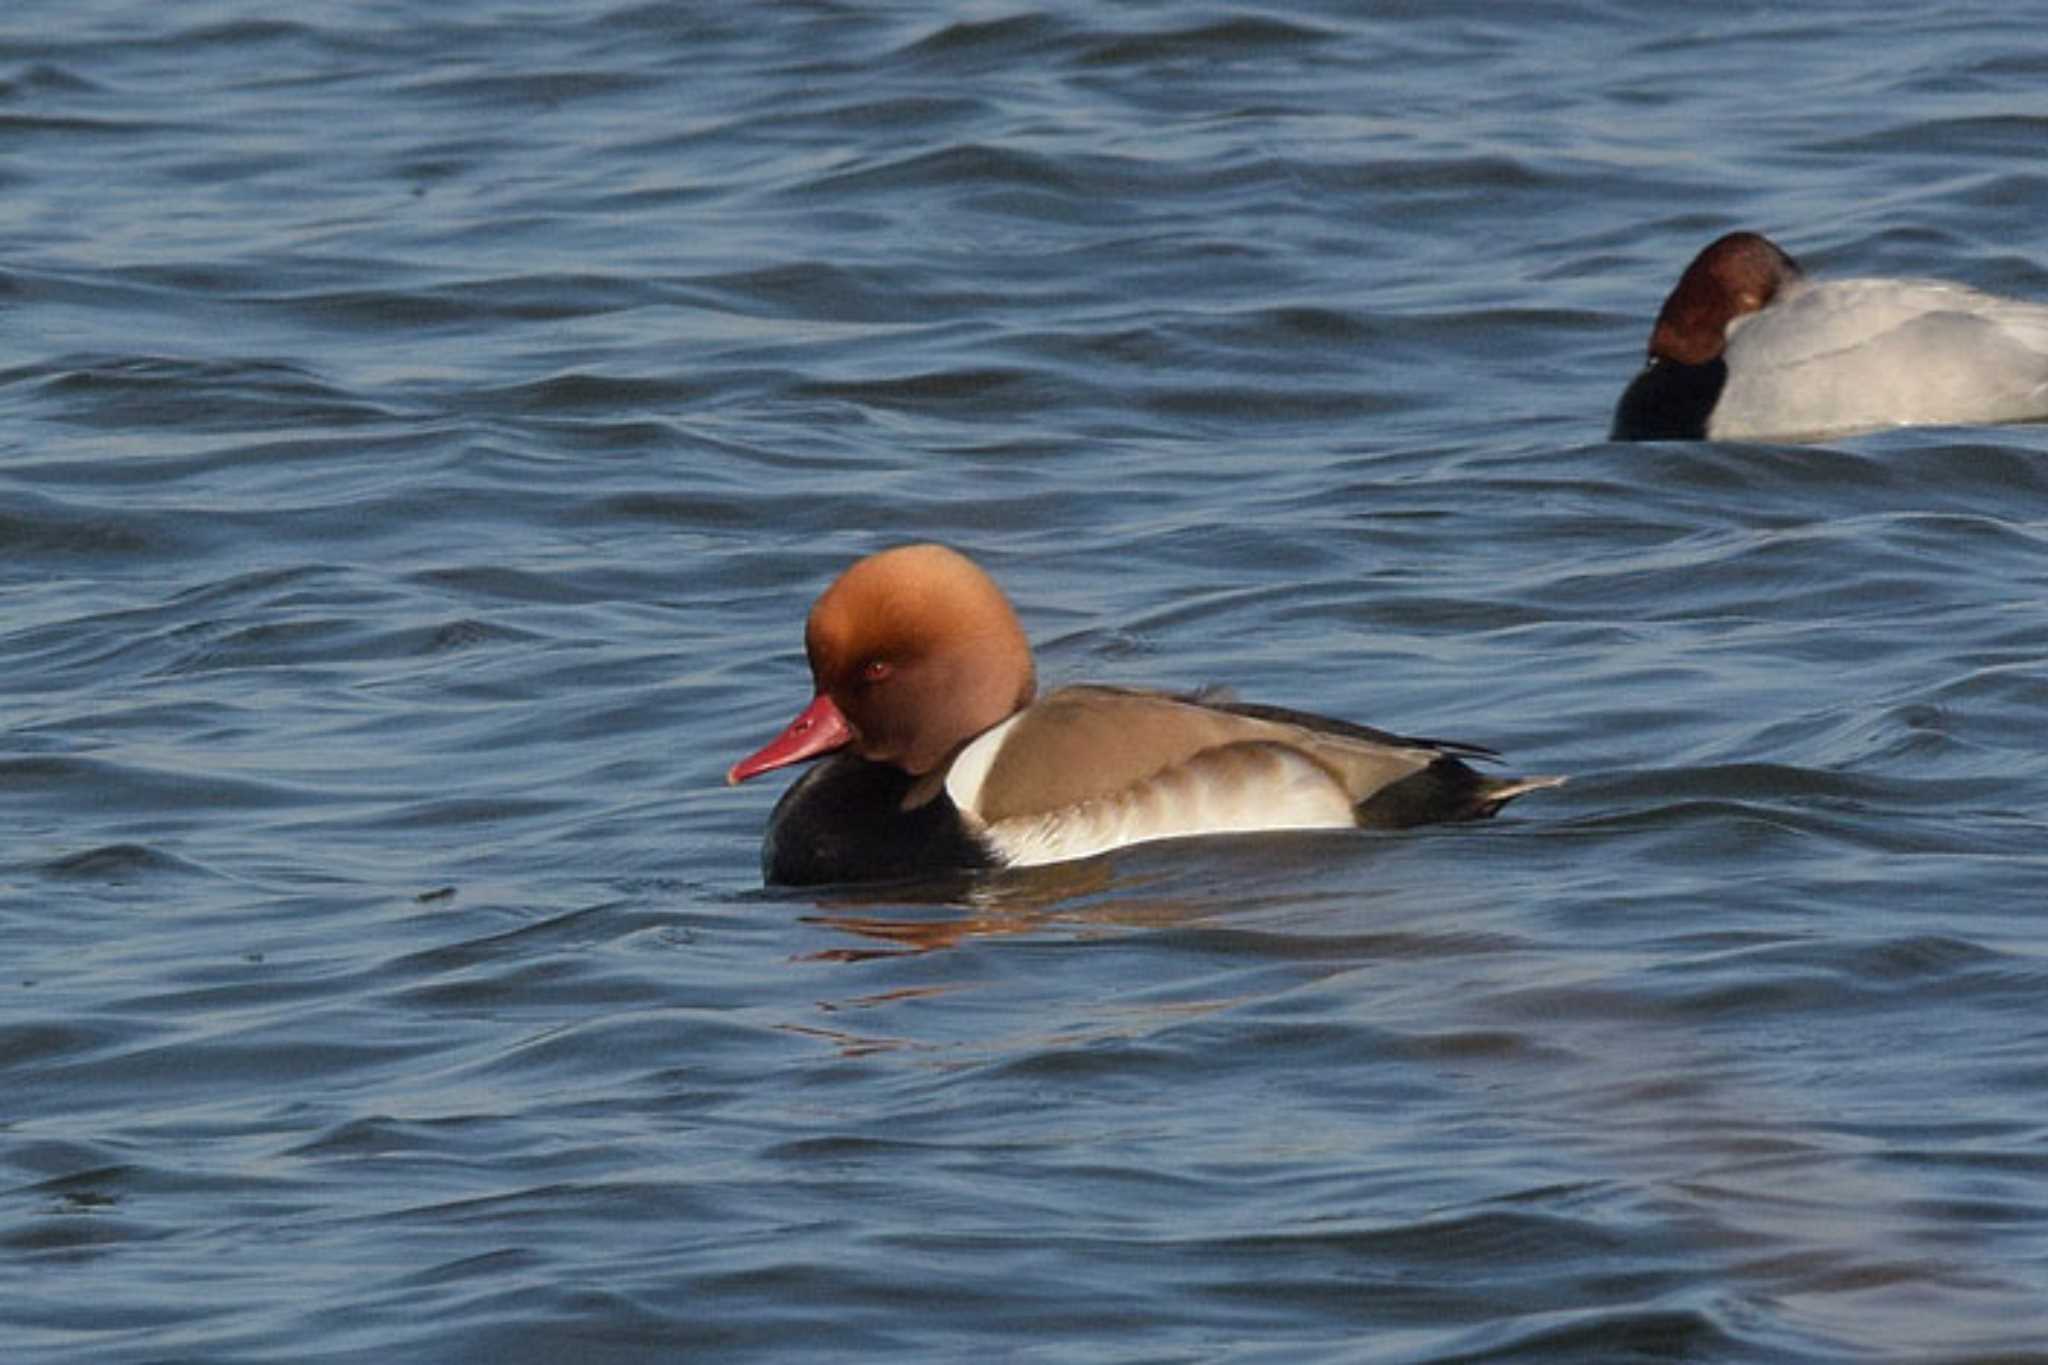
[1747,348]
[927,785]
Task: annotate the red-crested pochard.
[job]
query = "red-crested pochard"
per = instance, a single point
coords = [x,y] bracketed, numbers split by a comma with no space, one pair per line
[1748,348]
[942,761]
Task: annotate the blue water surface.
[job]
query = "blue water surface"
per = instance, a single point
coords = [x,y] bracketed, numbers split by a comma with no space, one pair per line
[423,428]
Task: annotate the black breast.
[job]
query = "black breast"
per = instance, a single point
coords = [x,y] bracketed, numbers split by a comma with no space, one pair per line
[1669,402]
[843,821]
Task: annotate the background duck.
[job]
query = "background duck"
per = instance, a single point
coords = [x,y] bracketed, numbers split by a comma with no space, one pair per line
[1748,348]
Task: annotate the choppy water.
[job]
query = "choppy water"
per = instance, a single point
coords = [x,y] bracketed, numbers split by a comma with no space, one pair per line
[422,429]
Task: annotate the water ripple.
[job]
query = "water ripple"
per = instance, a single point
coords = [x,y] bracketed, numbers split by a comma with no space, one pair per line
[421,435]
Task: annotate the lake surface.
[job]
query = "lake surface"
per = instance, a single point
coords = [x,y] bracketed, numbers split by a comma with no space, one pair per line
[423,429]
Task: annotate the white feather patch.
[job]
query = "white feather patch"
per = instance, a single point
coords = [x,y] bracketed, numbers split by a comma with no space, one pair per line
[1849,355]
[970,769]
[1234,789]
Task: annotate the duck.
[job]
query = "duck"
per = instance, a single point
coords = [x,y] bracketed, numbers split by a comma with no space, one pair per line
[1747,347]
[939,756]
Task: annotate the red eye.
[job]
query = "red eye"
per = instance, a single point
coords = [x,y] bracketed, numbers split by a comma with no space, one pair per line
[876,670]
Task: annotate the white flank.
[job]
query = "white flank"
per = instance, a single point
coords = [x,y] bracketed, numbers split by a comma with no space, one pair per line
[1852,355]
[1236,789]
[970,770]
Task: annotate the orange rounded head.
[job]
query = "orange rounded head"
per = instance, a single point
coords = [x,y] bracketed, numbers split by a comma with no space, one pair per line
[914,651]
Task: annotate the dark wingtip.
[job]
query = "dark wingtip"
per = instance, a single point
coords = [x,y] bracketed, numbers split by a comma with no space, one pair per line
[1445,792]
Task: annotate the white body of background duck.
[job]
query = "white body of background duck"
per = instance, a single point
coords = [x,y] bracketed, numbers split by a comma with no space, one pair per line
[1748,348]
[942,759]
